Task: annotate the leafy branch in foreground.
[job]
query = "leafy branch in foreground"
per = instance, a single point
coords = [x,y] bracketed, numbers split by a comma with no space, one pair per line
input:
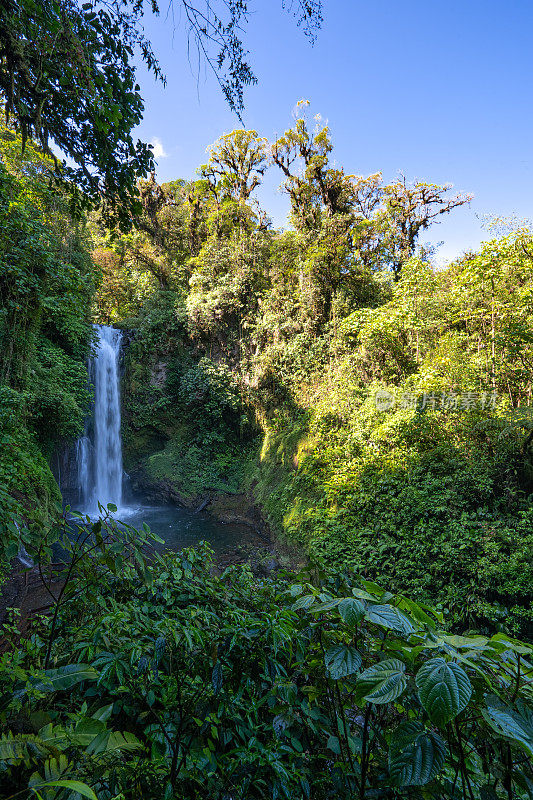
[217,31]
[88,550]
[68,79]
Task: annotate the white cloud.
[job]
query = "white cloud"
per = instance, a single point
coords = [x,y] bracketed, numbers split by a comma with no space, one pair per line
[159,150]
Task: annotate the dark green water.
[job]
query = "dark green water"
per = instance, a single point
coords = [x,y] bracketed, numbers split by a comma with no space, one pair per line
[180,528]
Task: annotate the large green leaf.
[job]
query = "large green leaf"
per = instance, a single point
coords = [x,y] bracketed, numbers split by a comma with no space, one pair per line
[327,605]
[103,713]
[444,689]
[122,741]
[65,677]
[513,723]
[86,730]
[351,610]
[501,643]
[342,660]
[54,736]
[416,755]
[363,595]
[107,741]
[389,617]
[464,642]
[377,591]
[74,786]
[383,682]
[417,611]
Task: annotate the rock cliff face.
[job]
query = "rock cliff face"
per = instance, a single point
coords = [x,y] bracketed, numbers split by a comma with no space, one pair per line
[161,490]
[173,450]
[186,436]
[65,471]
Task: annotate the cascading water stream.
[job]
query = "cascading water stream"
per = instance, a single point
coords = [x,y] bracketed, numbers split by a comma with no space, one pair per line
[107,444]
[99,461]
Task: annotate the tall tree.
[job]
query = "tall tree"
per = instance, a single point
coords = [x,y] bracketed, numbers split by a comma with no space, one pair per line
[237,162]
[332,211]
[409,209]
[314,187]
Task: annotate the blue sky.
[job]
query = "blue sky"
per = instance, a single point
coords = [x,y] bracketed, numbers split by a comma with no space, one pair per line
[438,91]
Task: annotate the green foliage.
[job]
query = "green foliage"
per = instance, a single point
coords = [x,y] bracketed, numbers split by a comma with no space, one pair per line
[342,344]
[236,164]
[296,332]
[29,495]
[45,332]
[433,502]
[194,469]
[68,77]
[66,73]
[59,397]
[169,681]
[416,755]
[188,426]
[383,682]
[444,689]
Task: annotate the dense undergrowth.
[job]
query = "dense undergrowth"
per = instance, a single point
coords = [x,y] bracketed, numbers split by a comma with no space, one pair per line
[413,500]
[435,501]
[162,680]
[46,286]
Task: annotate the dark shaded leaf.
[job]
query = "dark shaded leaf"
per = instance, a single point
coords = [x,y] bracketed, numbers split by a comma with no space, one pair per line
[513,723]
[444,689]
[416,755]
[342,660]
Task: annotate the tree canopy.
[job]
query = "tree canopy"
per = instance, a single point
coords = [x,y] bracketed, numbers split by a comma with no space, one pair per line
[68,78]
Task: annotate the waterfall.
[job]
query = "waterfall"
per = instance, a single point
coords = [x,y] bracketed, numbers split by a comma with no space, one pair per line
[83,464]
[99,458]
[107,444]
